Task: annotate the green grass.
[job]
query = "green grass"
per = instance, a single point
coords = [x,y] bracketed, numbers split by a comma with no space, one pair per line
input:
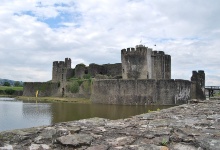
[55,99]
[11,87]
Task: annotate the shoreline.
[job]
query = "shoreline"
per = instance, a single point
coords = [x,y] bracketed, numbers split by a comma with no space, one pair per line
[54,99]
[188,126]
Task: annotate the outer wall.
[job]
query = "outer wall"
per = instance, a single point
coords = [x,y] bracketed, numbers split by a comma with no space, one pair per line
[44,89]
[141,92]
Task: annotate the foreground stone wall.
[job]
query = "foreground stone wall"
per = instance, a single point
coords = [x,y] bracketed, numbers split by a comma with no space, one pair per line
[141,92]
[44,89]
[186,127]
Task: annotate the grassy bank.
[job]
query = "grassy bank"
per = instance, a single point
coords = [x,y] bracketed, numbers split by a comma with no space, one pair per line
[12,96]
[11,87]
[10,91]
[54,99]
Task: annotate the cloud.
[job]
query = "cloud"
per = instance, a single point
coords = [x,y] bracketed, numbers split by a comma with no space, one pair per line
[35,33]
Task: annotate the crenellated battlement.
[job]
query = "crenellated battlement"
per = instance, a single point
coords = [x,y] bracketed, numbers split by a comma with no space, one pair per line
[62,64]
[68,62]
[67,59]
[58,63]
[167,56]
[138,50]
[158,53]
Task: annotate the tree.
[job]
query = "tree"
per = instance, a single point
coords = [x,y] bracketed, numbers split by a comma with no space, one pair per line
[6,84]
[17,83]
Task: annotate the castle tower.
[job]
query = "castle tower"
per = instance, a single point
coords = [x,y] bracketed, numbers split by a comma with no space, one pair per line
[161,65]
[136,63]
[143,63]
[158,64]
[68,63]
[61,70]
[167,63]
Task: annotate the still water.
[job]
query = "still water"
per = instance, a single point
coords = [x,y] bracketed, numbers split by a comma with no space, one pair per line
[16,114]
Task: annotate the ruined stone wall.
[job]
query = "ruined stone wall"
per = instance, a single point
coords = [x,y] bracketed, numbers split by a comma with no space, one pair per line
[199,84]
[183,91]
[141,92]
[80,70]
[69,73]
[113,69]
[44,89]
[94,69]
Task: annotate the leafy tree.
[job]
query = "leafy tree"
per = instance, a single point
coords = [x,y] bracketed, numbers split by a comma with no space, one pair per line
[73,86]
[6,84]
[17,83]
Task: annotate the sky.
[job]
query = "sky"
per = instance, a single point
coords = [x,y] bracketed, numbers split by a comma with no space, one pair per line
[34,33]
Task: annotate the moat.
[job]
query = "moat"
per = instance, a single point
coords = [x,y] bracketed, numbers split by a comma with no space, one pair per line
[16,114]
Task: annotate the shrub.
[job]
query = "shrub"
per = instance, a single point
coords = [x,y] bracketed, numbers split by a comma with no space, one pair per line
[6,84]
[87,85]
[100,76]
[73,87]
[17,84]
[86,76]
[80,81]
[9,91]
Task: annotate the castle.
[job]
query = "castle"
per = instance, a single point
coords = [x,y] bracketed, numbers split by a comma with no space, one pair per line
[139,63]
[142,77]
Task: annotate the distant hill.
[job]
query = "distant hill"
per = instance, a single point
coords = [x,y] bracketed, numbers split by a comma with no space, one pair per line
[2,81]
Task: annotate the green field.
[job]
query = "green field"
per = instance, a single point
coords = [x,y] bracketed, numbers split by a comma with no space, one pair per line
[11,87]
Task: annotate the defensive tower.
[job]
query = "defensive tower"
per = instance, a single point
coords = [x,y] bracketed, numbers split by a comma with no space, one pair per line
[143,63]
[136,63]
[62,70]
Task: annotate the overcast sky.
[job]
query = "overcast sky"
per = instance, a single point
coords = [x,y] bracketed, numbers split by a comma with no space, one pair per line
[34,33]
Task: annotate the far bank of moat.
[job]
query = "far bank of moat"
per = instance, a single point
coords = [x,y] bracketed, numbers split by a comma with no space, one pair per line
[189,126]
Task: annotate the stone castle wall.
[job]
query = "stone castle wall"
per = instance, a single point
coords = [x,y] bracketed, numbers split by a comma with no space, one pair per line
[198,88]
[56,89]
[44,89]
[94,69]
[141,92]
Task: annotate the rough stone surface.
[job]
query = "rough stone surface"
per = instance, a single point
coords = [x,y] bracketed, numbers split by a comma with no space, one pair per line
[76,139]
[193,126]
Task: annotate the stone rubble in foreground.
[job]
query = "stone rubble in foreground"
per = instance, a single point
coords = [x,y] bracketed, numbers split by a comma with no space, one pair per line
[194,126]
